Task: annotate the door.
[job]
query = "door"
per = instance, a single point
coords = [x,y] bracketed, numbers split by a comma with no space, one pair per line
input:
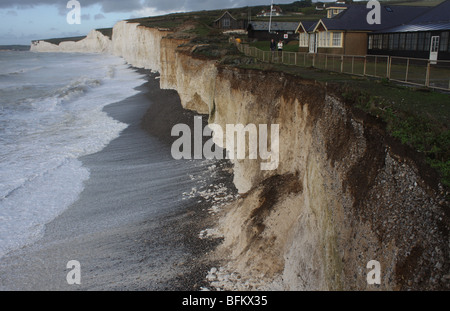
[434,49]
[312,43]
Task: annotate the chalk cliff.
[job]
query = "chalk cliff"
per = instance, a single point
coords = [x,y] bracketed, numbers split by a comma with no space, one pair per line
[343,194]
[95,42]
[139,46]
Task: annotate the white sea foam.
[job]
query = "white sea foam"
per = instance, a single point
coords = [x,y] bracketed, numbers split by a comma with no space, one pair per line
[49,117]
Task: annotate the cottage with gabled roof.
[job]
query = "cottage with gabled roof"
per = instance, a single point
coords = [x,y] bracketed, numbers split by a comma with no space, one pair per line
[347,32]
[227,22]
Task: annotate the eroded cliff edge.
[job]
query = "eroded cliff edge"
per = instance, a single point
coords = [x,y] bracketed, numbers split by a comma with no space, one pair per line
[344,193]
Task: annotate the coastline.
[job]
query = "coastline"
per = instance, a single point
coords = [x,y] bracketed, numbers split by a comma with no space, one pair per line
[131,228]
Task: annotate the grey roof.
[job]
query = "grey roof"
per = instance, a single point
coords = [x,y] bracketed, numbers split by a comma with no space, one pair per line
[436,18]
[309,25]
[355,17]
[418,27]
[226,13]
[276,26]
[439,13]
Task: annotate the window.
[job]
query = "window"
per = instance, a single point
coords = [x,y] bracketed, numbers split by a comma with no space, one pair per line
[411,41]
[444,41]
[329,39]
[402,43]
[304,39]
[420,41]
[324,39]
[408,43]
[226,22]
[427,43]
[414,41]
[391,42]
[385,42]
[377,42]
[370,45]
[396,40]
[337,39]
[374,42]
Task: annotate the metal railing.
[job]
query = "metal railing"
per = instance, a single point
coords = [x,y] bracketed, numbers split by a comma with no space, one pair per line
[422,72]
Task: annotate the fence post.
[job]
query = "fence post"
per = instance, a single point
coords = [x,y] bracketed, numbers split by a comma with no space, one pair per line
[342,63]
[365,65]
[427,79]
[390,67]
[314,60]
[407,69]
[326,61]
[387,67]
[353,64]
[376,58]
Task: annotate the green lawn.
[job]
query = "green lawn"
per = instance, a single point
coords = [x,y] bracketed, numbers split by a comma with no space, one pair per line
[265,46]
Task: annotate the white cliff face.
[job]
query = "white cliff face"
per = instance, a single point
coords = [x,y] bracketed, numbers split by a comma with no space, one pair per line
[193,79]
[95,42]
[139,46]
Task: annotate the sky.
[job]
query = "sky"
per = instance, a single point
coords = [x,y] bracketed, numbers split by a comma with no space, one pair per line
[24,20]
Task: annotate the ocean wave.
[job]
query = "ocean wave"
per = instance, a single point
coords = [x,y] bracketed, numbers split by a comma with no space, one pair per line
[77,88]
[20,71]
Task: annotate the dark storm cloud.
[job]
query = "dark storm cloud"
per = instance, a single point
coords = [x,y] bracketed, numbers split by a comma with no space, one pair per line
[109,6]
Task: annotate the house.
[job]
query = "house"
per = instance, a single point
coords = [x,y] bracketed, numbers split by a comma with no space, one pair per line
[335,9]
[320,8]
[278,31]
[227,21]
[426,36]
[347,32]
[276,11]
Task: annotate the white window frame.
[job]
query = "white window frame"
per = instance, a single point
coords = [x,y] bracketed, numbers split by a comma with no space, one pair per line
[327,39]
[303,39]
[336,42]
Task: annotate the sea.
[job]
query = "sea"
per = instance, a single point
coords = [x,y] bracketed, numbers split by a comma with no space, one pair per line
[51,114]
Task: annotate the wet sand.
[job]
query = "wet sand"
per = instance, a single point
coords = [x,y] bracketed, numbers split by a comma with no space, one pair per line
[130,229]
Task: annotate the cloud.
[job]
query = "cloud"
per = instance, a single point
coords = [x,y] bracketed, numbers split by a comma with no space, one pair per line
[85,17]
[11,13]
[99,16]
